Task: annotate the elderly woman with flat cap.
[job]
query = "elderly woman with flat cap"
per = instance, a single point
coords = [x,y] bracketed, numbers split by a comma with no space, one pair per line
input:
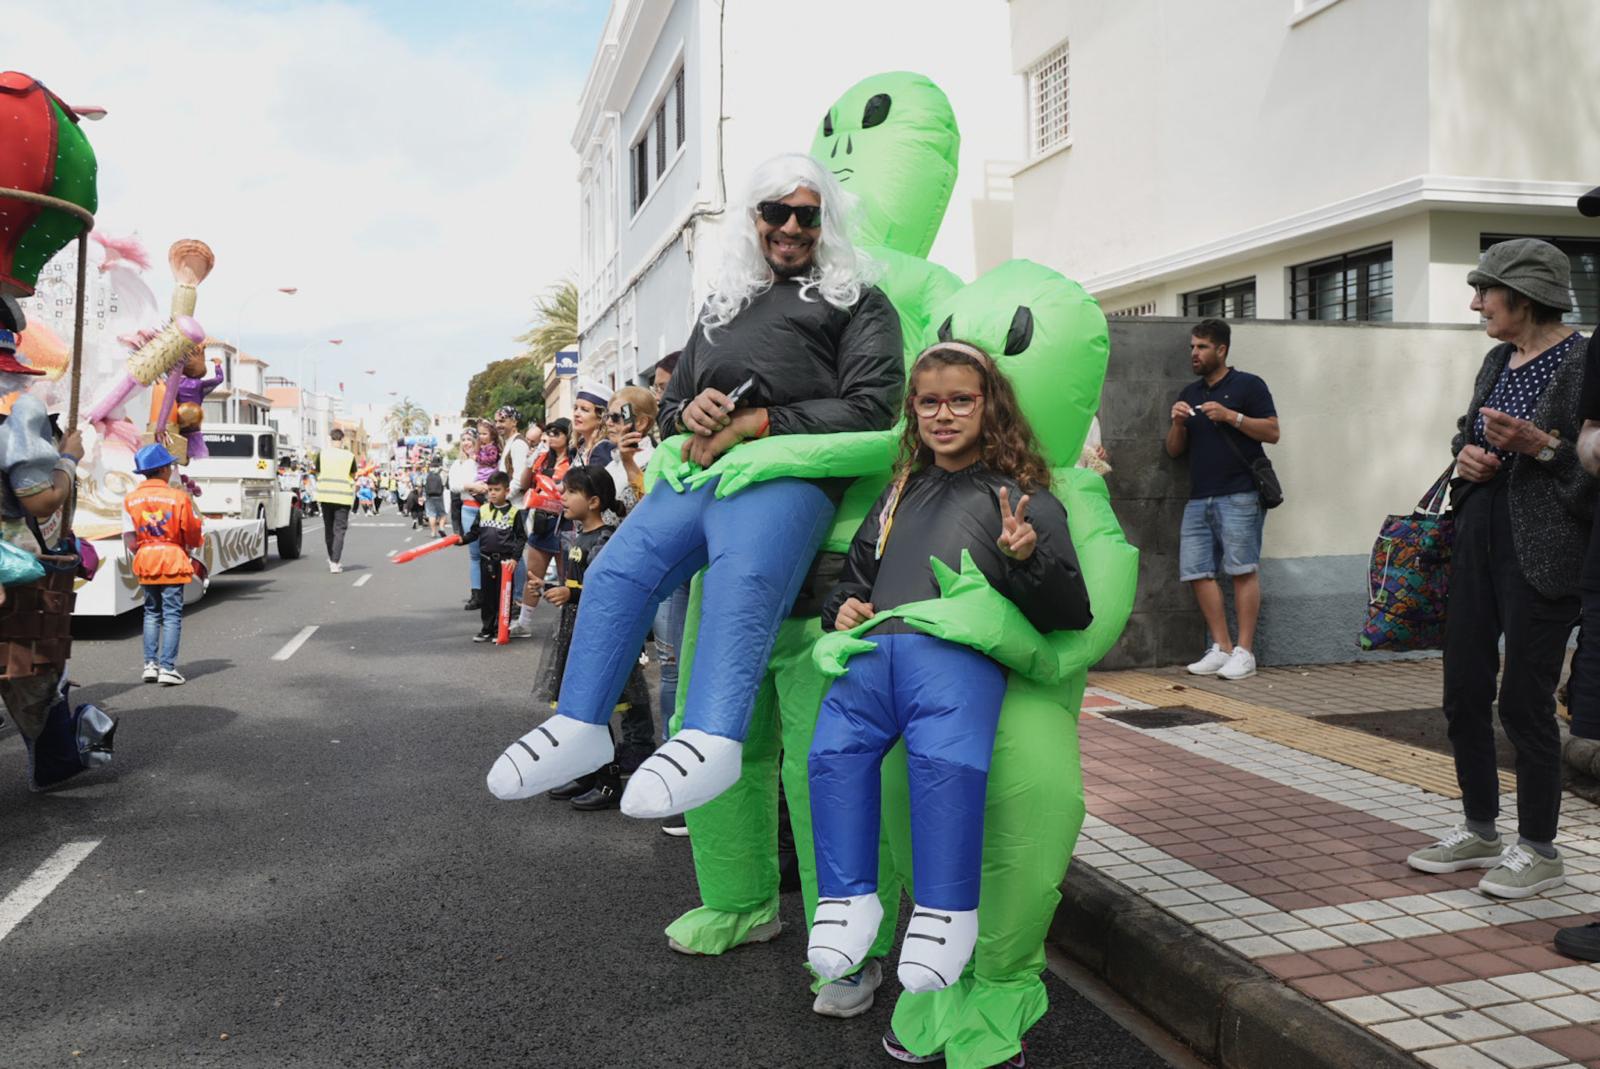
[1523,506]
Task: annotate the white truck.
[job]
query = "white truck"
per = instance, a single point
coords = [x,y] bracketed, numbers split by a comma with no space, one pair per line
[241,504]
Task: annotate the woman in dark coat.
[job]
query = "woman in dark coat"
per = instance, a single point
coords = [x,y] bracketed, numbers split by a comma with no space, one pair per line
[1523,506]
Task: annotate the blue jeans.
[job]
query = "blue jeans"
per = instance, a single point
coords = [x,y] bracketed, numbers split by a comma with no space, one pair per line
[759,544]
[671,620]
[944,699]
[469,520]
[1220,534]
[163,624]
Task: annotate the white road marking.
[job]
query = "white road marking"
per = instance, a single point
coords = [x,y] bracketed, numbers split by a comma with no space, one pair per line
[37,887]
[392,552]
[363,580]
[295,643]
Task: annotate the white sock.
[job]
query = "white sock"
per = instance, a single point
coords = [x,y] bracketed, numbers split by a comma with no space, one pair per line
[525,617]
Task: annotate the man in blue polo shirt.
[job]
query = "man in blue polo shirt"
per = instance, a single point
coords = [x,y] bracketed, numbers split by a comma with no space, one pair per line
[1221,419]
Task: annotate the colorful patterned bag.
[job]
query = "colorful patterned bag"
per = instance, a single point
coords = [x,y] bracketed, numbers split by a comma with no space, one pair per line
[1408,579]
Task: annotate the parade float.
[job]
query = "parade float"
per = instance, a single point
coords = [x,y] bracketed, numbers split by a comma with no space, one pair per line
[93,329]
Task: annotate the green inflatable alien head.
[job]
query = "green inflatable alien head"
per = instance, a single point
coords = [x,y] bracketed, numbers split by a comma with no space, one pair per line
[1049,338]
[892,140]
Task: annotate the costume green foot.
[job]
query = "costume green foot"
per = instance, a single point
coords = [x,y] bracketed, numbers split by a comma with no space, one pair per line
[734,836]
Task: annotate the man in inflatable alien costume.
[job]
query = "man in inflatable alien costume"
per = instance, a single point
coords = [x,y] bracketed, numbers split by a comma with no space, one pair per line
[892,141]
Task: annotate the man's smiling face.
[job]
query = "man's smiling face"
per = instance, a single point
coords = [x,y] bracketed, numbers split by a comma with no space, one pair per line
[790,248]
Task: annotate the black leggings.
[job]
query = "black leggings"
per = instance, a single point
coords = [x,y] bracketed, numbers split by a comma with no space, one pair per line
[1489,598]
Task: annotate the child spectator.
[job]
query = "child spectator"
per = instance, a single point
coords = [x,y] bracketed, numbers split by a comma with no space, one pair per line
[589,495]
[163,529]
[501,532]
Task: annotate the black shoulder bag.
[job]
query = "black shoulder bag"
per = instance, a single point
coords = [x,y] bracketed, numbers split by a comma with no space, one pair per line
[1268,488]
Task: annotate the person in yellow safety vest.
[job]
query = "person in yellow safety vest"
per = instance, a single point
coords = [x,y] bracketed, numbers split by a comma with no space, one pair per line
[336,492]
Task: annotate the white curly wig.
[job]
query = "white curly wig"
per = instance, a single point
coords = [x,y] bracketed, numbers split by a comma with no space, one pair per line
[839,271]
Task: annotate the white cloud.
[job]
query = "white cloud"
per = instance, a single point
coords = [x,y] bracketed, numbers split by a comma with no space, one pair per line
[409,190]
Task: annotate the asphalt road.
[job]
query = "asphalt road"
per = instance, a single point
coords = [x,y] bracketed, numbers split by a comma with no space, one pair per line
[298,865]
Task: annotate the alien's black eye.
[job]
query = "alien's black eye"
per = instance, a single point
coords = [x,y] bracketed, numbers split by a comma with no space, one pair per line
[875,112]
[1020,335]
[827,125]
[944,329]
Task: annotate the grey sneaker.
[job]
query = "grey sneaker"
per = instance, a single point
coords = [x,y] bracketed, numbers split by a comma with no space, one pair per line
[519,631]
[1523,873]
[1463,848]
[852,995]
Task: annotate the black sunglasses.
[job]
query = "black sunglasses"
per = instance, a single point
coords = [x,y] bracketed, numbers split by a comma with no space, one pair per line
[776,213]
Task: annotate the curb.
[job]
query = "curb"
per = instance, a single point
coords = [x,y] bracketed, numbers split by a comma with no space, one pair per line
[1230,1012]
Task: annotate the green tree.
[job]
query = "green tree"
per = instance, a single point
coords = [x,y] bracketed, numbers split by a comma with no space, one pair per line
[555,324]
[406,418]
[519,381]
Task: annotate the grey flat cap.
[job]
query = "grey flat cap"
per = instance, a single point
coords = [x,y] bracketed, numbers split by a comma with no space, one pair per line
[1536,269]
[1589,203]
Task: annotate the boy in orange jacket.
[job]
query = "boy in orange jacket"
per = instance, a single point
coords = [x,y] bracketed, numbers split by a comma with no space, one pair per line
[163,529]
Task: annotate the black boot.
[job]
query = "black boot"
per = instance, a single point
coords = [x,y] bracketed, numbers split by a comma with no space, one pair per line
[573,788]
[474,602]
[1581,942]
[607,792]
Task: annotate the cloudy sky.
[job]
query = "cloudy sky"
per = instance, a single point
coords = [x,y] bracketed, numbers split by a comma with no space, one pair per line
[407,168]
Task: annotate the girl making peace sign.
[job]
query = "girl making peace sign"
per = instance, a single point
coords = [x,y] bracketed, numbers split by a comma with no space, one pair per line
[972,479]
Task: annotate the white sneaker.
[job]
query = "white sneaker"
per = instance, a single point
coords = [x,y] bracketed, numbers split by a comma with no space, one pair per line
[842,932]
[1211,663]
[170,677]
[1241,665]
[558,750]
[335,567]
[688,770]
[152,672]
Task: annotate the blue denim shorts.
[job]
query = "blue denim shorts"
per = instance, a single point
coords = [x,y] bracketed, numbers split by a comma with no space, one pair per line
[1220,534]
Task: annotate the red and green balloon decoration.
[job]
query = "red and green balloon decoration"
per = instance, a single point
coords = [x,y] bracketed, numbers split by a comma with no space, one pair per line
[42,150]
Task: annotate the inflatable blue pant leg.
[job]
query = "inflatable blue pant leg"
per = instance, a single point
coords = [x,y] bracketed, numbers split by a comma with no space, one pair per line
[756,547]
[945,700]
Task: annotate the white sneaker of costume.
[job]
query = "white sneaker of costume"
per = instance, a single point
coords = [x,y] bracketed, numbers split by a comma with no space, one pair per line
[689,769]
[558,750]
[1241,665]
[842,932]
[937,947]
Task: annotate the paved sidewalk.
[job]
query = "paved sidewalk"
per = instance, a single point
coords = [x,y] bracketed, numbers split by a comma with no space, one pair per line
[1283,837]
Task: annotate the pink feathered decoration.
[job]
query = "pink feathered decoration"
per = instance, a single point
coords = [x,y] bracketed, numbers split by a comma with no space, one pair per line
[129,248]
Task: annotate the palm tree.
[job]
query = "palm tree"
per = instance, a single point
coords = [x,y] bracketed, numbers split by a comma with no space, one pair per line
[555,324]
[406,418]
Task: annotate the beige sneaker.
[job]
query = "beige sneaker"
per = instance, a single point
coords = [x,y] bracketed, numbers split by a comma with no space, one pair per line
[1462,848]
[1523,873]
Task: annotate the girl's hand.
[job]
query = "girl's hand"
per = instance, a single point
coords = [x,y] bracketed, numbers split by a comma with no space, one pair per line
[558,595]
[1017,539]
[853,612]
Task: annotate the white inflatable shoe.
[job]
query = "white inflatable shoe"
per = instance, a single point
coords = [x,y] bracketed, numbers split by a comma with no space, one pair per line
[842,932]
[689,769]
[937,947]
[558,750]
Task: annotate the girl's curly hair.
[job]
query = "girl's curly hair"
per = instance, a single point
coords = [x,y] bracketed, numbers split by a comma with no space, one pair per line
[1009,445]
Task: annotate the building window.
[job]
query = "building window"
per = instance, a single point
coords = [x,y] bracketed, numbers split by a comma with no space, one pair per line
[641,172]
[661,140]
[1231,300]
[1148,308]
[678,106]
[1047,102]
[1585,256]
[1356,285]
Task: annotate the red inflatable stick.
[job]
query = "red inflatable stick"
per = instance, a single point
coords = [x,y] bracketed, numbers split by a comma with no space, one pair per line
[431,547]
[508,571]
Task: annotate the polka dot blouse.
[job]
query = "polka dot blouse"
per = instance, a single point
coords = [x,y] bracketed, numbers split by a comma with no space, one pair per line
[1518,389]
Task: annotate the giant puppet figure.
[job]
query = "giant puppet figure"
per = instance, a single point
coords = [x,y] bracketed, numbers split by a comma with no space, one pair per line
[45,152]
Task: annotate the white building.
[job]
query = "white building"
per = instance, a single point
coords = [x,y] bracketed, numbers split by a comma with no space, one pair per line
[1303,159]
[242,397]
[685,97]
[303,417]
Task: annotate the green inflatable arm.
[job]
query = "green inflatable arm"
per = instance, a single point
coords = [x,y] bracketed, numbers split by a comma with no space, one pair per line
[969,612]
